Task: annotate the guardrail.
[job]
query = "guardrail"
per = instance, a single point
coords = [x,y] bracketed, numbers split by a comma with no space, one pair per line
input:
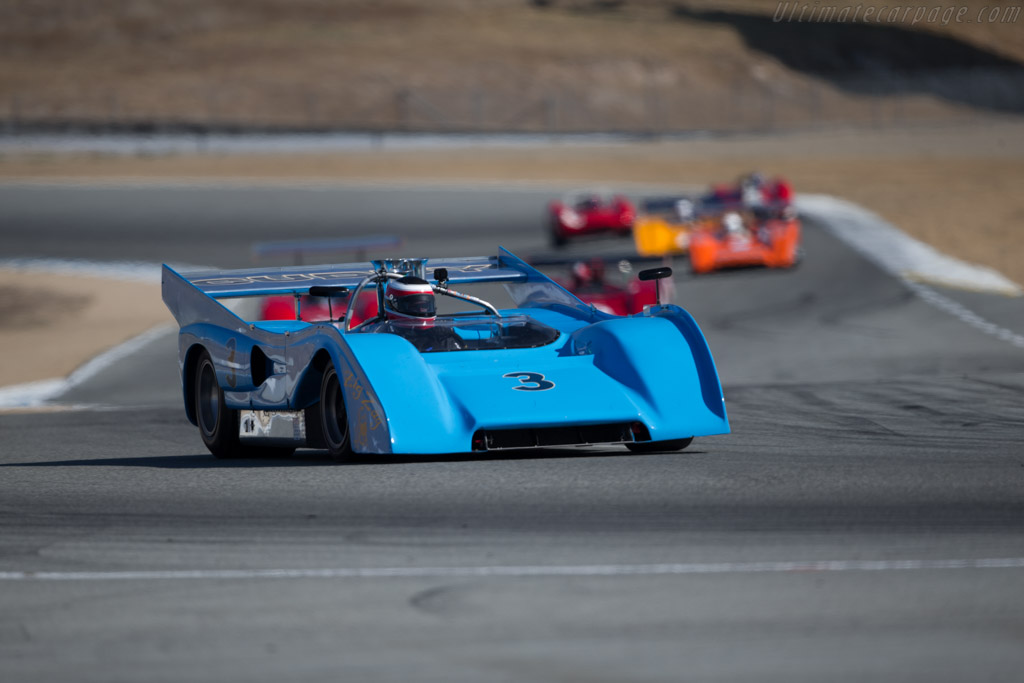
[862,99]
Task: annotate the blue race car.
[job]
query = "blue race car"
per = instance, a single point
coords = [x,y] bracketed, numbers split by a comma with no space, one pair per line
[397,375]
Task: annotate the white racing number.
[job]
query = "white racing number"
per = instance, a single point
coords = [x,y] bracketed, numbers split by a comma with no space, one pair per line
[530,381]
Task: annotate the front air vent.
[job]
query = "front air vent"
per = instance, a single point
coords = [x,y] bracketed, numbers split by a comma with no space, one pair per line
[540,437]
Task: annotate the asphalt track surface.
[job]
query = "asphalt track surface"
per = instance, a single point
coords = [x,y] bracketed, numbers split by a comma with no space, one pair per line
[864,520]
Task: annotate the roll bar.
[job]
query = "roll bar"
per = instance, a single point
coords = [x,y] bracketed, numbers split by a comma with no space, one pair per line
[383,275]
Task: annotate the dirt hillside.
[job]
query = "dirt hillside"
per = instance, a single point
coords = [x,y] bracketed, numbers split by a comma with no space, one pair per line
[497,64]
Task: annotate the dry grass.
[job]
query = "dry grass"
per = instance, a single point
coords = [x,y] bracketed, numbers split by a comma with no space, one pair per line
[53,323]
[348,63]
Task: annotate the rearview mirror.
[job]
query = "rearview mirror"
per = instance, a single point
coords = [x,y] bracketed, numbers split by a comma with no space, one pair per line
[326,290]
[655,273]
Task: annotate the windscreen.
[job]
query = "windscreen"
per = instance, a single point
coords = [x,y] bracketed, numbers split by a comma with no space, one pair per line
[538,294]
[469,333]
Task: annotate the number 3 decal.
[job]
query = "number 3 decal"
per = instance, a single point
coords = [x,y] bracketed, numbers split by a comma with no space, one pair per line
[526,379]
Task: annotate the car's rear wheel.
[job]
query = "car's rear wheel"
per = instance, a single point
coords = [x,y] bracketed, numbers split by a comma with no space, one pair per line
[333,417]
[218,424]
[659,446]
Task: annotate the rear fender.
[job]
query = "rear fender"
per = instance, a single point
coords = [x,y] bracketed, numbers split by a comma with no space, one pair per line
[244,366]
[231,355]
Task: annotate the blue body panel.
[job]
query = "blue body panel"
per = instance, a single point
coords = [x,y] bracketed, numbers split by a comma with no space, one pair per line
[653,368]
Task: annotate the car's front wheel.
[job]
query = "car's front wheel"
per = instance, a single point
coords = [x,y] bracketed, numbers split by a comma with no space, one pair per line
[659,446]
[558,238]
[333,417]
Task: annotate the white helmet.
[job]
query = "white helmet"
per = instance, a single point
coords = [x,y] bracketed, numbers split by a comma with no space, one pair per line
[733,223]
[409,297]
[684,209]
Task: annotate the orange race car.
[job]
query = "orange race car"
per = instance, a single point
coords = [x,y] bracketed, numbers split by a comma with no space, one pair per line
[736,241]
[664,225]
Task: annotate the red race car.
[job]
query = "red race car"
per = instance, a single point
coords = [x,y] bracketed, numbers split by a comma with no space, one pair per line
[588,280]
[590,212]
[736,242]
[317,309]
[753,192]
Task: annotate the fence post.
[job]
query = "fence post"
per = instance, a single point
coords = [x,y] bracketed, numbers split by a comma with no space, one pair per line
[551,112]
[736,119]
[768,111]
[815,104]
[402,109]
[876,104]
[312,110]
[478,110]
[211,108]
[654,125]
[113,110]
[15,116]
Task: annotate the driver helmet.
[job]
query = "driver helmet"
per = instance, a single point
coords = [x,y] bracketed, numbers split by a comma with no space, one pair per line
[783,192]
[409,297]
[753,179]
[685,210]
[752,191]
[733,224]
[582,273]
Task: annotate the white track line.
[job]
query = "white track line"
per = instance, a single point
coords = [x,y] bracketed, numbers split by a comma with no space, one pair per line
[965,314]
[897,252]
[528,570]
[912,261]
[35,394]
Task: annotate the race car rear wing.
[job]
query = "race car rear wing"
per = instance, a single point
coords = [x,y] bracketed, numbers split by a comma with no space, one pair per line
[183,293]
[298,279]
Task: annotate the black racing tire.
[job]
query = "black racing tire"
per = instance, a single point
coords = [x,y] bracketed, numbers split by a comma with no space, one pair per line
[218,424]
[333,417]
[557,238]
[659,446]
